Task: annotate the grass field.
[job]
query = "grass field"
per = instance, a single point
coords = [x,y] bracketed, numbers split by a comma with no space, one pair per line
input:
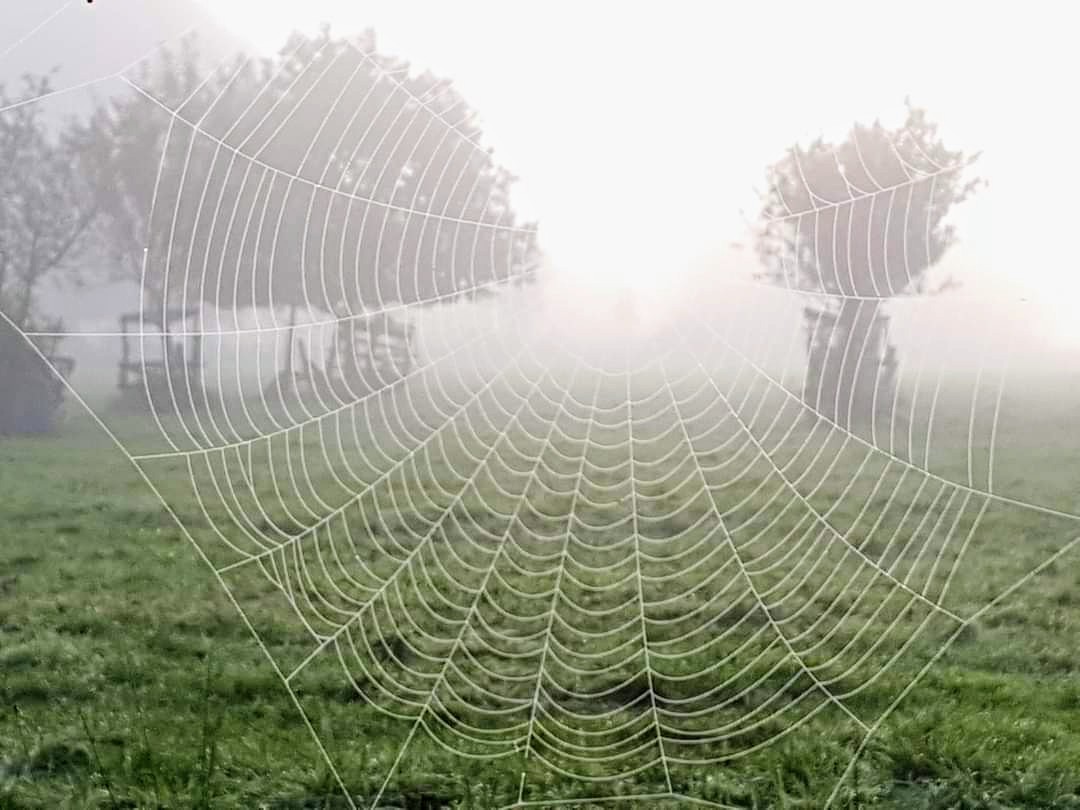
[128,679]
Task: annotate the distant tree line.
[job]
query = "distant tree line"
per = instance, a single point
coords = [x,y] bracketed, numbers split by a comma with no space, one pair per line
[335,179]
[332,178]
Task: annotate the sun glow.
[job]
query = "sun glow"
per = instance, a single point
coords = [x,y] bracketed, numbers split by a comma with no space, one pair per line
[640,139]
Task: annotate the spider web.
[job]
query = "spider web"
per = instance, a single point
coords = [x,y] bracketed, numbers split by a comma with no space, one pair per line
[615,564]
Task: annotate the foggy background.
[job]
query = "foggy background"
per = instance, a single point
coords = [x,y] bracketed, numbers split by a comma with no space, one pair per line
[620,123]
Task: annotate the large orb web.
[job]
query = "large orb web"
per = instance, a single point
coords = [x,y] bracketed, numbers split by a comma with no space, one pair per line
[626,566]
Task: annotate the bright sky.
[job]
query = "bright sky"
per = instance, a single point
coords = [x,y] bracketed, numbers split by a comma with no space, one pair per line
[641,130]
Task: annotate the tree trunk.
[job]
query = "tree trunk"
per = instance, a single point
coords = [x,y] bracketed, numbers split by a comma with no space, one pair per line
[849,379]
[30,394]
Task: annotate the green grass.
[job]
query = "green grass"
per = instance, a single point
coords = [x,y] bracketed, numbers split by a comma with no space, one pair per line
[127,679]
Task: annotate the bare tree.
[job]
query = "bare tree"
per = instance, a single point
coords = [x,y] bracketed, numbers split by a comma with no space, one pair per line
[48,201]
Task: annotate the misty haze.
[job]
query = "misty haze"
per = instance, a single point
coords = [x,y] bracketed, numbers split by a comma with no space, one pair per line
[414,405]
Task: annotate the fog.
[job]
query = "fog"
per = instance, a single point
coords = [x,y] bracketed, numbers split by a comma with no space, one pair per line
[641,144]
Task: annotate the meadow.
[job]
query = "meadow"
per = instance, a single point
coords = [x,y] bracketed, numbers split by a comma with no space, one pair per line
[129,679]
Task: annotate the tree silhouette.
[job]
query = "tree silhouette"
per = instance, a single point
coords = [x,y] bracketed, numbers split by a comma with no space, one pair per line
[48,201]
[130,140]
[330,179]
[853,225]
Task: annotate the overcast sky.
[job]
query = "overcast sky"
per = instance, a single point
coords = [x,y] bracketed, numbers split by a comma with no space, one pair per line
[640,131]
[617,114]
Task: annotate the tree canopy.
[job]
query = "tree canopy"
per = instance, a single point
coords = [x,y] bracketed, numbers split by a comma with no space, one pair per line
[48,200]
[854,224]
[865,217]
[332,177]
